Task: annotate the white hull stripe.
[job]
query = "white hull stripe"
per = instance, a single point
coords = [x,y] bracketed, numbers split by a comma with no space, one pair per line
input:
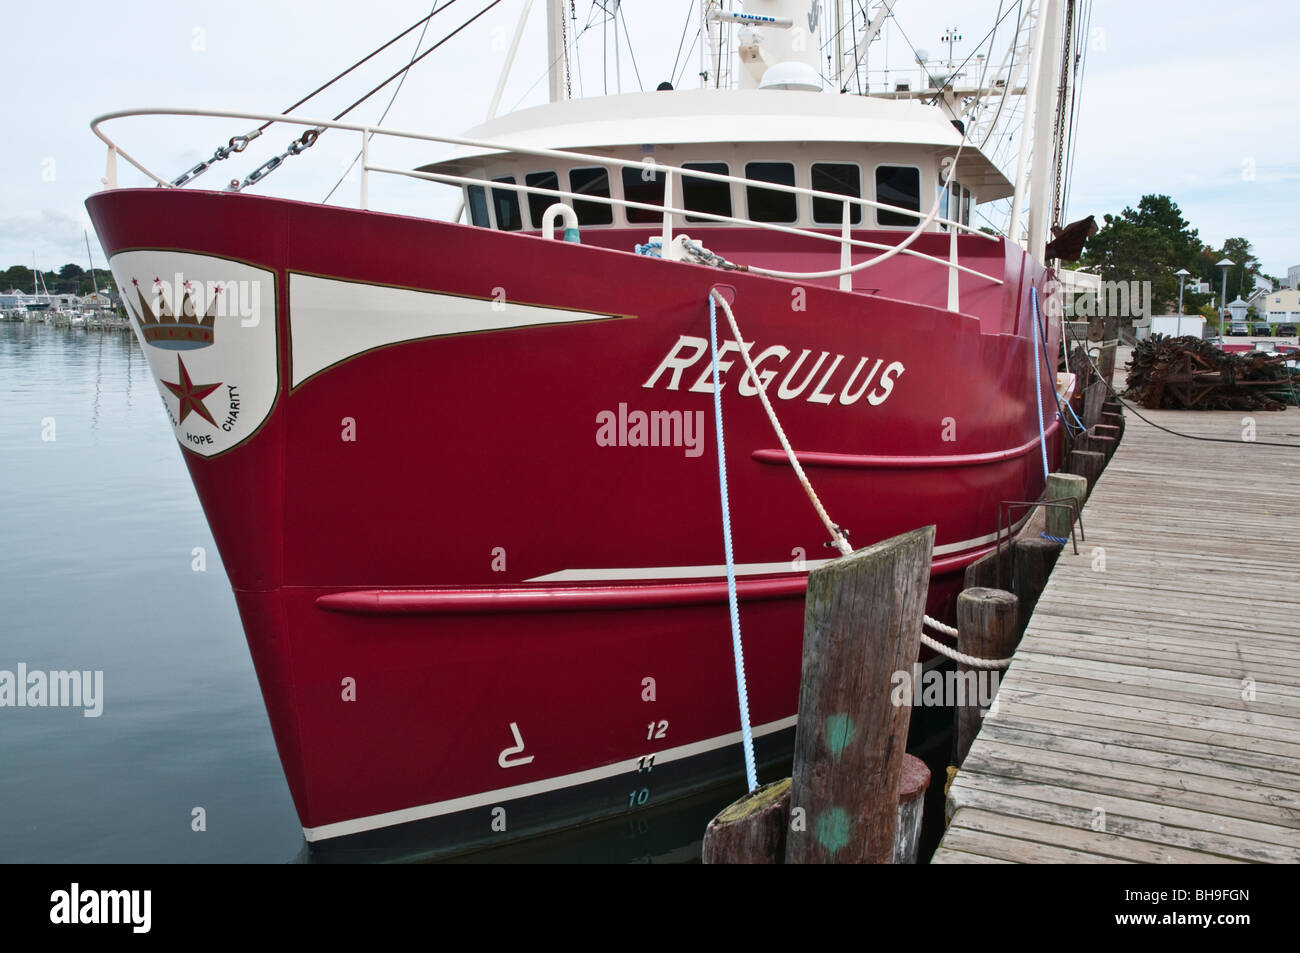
[331,320]
[635,573]
[532,788]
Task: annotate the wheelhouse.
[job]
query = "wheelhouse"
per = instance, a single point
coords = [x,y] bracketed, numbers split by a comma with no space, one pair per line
[893,153]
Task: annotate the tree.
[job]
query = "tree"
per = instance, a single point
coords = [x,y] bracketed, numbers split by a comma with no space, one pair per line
[1123,250]
[1160,212]
[16,276]
[1241,278]
[71,270]
[1147,243]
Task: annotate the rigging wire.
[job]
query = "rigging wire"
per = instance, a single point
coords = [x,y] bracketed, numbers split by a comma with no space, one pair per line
[392,99]
[576,56]
[310,137]
[690,10]
[424,21]
[687,61]
[417,59]
[631,52]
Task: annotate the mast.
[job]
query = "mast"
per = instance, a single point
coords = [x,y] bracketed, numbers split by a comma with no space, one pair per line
[867,37]
[1034,180]
[837,25]
[1064,111]
[91,259]
[1042,186]
[555,49]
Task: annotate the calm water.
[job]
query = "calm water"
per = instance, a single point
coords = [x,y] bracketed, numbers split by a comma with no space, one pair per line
[98,527]
[97,530]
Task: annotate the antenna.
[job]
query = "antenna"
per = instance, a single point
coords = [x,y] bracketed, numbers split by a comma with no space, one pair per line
[950,36]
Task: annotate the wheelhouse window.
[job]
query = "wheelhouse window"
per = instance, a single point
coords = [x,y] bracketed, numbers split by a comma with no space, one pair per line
[506,204]
[965,206]
[642,185]
[842,178]
[594,181]
[898,185]
[478,206]
[945,204]
[769,205]
[538,204]
[706,195]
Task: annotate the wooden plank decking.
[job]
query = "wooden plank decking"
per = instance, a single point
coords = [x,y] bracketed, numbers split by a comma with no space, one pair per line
[1152,714]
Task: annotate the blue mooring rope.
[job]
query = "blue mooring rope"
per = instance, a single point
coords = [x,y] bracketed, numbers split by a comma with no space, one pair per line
[1058,540]
[1038,389]
[1042,337]
[746,734]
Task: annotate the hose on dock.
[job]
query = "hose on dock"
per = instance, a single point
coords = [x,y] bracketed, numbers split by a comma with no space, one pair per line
[1187,436]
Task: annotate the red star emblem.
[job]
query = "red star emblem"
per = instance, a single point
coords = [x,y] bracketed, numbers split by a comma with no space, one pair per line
[190,394]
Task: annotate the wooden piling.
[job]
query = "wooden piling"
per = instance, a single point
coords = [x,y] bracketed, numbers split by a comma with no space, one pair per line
[1064,486]
[1097,443]
[1093,399]
[912,785]
[1106,359]
[862,624]
[989,571]
[988,627]
[1087,464]
[1106,364]
[1107,430]
[1031,561]
[752,830]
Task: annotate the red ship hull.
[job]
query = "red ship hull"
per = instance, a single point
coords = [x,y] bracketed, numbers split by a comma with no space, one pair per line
[481,601]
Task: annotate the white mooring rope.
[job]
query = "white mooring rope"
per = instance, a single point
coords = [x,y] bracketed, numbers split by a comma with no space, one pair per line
[837,536]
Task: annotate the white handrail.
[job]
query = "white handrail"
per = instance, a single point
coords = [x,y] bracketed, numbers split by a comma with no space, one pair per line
[564,154]
[449,179]
[666,209]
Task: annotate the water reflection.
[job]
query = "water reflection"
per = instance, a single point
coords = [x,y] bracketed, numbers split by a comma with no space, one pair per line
[97,528]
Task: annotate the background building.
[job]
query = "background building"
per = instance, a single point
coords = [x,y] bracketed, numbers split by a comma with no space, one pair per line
[1280,307]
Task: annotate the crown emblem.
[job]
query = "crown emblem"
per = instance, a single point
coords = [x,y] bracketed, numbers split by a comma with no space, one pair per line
[172,331]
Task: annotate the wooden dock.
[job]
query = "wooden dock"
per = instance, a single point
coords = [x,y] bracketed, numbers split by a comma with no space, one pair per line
[1152,714]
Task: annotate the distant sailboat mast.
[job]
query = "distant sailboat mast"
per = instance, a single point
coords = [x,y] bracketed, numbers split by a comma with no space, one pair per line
[91,258]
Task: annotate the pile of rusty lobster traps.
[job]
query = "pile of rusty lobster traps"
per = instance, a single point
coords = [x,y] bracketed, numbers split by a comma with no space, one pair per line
[1188,373]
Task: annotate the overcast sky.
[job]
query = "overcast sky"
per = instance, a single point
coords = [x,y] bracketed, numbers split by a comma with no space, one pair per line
[1192,99]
